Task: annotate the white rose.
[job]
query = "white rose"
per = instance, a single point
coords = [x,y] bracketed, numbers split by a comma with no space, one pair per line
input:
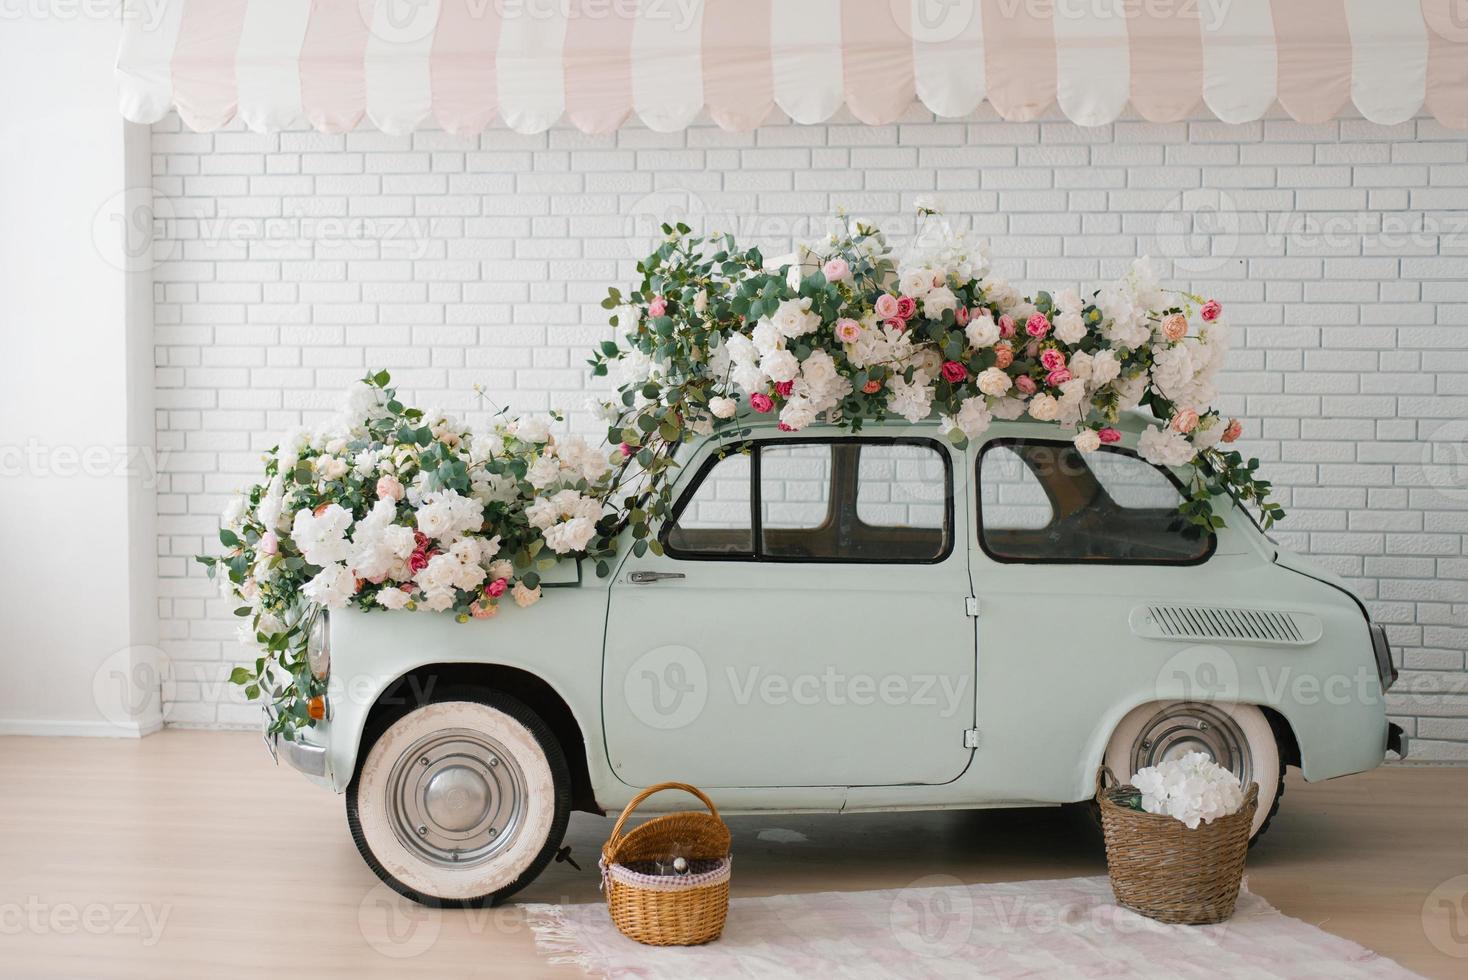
[330,467]
[766,337]
[1104,367]
[915,282]
[536,428]
[1087,440]
[797,413]
[569,536]
[1165,447]
[793,318]
[982,332]
[543,472]
[1044,407]
[392,597]
[994,382]
[939,300]
[1070,328]
[780,365]
[723,408]
[501,569]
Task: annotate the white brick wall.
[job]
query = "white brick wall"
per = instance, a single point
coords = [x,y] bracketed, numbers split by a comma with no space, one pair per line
[296,261]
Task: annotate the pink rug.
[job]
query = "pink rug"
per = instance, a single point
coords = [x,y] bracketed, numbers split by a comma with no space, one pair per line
[940,927]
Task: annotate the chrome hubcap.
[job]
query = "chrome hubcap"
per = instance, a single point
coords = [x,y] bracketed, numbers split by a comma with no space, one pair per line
[456,798]
[1193,727]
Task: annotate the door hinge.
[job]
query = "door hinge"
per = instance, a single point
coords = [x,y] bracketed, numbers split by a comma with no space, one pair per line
[971,738]
[972,605]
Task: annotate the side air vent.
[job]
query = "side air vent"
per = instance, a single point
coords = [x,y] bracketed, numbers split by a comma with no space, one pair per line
[1222,623]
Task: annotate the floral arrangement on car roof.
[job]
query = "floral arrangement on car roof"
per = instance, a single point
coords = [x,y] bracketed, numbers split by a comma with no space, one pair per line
[389,506]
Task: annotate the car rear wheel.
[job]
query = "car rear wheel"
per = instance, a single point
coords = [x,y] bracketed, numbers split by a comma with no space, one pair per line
[460,802]
[1236,736]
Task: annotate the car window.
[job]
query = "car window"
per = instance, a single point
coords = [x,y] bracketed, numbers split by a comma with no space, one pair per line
[837,500]
[714,517]
[1042,501]
[1011,495]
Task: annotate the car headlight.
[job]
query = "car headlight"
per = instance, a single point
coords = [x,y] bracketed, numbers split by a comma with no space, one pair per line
[318,646]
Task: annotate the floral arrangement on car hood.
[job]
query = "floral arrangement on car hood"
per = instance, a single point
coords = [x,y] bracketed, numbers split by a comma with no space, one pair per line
[390,506]
[1193,789]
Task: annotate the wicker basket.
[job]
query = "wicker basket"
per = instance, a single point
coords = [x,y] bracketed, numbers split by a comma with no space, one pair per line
[1167,872]
[666,910]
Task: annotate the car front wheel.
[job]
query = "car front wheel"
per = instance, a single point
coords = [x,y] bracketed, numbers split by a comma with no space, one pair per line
[460,802]
[1236,736]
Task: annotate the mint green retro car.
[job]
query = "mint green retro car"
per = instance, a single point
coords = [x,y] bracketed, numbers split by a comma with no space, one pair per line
[850,621]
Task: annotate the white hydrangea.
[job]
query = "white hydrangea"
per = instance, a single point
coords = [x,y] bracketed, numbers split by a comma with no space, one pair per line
[974,417]
[911,400]
[322,539]
[1193,789]
[332,587]
[533,428]
[797,413]
[448,515]
[378,545]
[779,366]
[1008,408]
[1165,447]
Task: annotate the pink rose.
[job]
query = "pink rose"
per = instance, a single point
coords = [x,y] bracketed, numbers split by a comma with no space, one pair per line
[408,587]
[388,487]
[626,450]
[836,270]
[848,331]
[1037,326]
[872,387]
[1057,377]
[417,561]
[1006,326]
[906,307]
[1175,327]
[1026,384]
[954,372]
[761,402]
[1234,429]
[1109,436]
[420,540]
[886,306]
[657,307]
[895,323]
[784,388]
[785,427]
[1211,309]
[497,588]
[1185,421]
[269,543]
[1052,359]
[960,316]
[484,610]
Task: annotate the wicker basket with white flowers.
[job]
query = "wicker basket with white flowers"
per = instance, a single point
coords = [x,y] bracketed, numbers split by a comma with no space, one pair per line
[1176,838]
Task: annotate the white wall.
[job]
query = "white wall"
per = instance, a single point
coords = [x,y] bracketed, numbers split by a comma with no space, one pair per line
[77,585]
[299,260]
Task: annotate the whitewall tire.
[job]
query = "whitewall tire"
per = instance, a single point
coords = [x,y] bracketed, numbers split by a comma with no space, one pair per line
[460,802]
[1236,736]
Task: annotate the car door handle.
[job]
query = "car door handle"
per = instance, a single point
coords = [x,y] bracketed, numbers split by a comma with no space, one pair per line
[643,578]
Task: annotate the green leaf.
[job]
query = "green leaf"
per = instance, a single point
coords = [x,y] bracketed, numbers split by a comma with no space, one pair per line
[240,676]
[228,538]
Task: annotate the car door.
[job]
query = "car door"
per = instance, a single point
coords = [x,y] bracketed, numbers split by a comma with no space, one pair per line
[806,625]
[1069,546]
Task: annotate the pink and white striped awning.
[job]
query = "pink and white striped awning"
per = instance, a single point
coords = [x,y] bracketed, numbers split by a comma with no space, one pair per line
[460,64]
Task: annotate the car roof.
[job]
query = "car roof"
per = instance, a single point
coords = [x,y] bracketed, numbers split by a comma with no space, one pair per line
[1131,423]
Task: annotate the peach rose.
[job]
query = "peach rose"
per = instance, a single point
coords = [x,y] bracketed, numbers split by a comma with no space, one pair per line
[1175,327]
[1234,429]
[1003,355]
[1185,421]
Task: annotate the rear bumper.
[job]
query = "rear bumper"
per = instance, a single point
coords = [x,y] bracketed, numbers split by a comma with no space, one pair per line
[302,756]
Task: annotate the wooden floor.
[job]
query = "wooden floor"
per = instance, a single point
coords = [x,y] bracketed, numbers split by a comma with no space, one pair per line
[188,854]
